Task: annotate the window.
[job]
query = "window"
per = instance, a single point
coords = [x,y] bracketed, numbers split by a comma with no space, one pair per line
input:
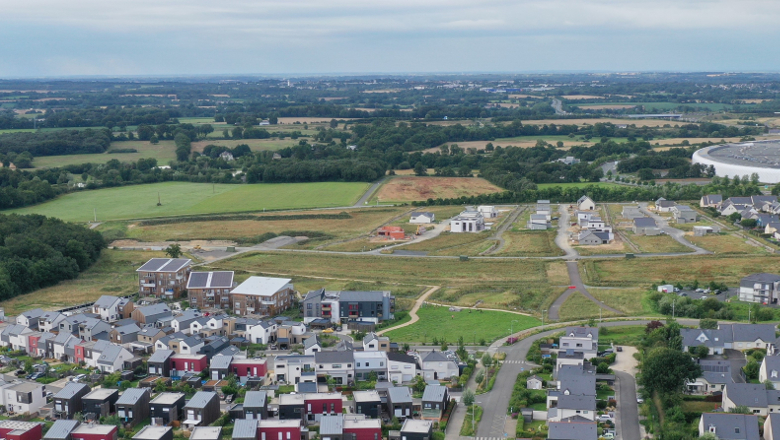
[358,364]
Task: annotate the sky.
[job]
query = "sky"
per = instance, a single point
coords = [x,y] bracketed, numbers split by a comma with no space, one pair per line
[53,38]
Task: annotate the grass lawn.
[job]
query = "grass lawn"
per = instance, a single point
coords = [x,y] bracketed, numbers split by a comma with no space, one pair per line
[472,412]
[530,243]
[624,335]
[657,243]
[362,221]
[629,301]
[164,152]
[521,296]
[699,406]
[447,240]
[727,269]
[440,323]
[726,244]
[113,274]
[577,306]
[185,198]
[616,247]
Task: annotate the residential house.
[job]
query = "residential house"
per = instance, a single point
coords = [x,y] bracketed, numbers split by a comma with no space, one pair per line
[318,405]
[24,398]
[772,427]
[133,406]
[684,214]
[209,326]
[256,405]
[729,426]
[16,337]
[467,221]
[534,383]
[100,402]
[370,364]
[293,369]
[368,403]
[112,308]
[210,289]
[151,314]
[569,160]
[151,432]
[262,296]
[125,334]
[280,429]
[160,363]
[584,339]
[260,332]
[342,306]
[663,205]
[572,380]
[747,336]
[374,342]
[771,227]
[339,365]
[434,402]
[18,430]
[591,238]
[183,344]
[181,323]
[247,369]
[167,408]
[61,430]
[714,339]
[50,321]
[711,201]
[202,409]
[569,405]
[89,328]
[312,345]
[646,226]
[422,218]
[585,203]
[188,363]
[163,277]
[67,401]
[360,428]
[150,335]
[399,402]
[488,211]
[416,430]
[716,375]
[62,347]
[632,212]
[401,368]
[113,358]
[36,343]
[29,318]
[538,222]
[572,428]
[92,431]
[438,366]
[219,368]
[754,396]
[770,371]
[760,288]
[206,433]
[245,429]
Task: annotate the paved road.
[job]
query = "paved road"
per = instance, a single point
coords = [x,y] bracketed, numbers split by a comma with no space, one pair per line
[562,239]
[557,105]
[675,233]
[496,402]
[628,410]
[506,225]
[576,280]
[370,192]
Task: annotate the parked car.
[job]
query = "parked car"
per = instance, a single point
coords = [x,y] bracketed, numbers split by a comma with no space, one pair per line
[604,418]
[619,348]
[608,435]
[78,378]
[20,373]
[639,399]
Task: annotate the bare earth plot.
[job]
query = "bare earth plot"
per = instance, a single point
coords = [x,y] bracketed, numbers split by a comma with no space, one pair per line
[408,189]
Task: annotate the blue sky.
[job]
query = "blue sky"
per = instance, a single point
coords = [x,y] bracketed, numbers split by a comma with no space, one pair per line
[194,37]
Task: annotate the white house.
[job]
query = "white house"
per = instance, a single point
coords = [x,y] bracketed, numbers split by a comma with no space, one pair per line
[24,397]
[572,406]
[107,307]
[294,369]
[438,366]
[340,365]
[770,370]
[29,318]
[260,333]
[760,288]
[729,426]
[401,368]
[113,358]
[468,221]
[582,339]
[422,218]
[488,211]
[772,427]
[585,203]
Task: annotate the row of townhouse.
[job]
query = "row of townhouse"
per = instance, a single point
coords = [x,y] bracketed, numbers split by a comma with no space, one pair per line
[543,217]
[739,426]
[729,337]
[742,205]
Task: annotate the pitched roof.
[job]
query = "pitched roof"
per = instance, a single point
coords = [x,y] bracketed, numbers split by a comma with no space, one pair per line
[399,395]
[591,333]
[572,401]
[435,356]
[397,356]
[763,278]
[751,332]
[731,426]
[245,428]
[161,356]
[567,430]
[330,357]
[210,280]
[106,301]
[261,286]
[70,390]
[220,362]
[434,393]
[645,222]
[154,309]
[110,354]
[131,396]
[61,429]
[255,399]
[164,265]
[311,342]
[747,394]
[201,399]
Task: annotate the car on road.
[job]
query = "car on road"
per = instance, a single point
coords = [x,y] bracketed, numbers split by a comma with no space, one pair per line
[639,399]
[78,378]
[608,435]
[604,418]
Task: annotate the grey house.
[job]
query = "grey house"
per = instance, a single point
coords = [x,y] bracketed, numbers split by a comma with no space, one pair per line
[214,345]
[220,367]
[160,363]
[399,402]
[67,402]
[417,430]
[167,407]
[255,405]
[730,426]
[646,226]
[100,402]
[61,430]
[684,214]
[202,409]
[133,405]
[245,429]
[434,402]
[572,428]
[367,403]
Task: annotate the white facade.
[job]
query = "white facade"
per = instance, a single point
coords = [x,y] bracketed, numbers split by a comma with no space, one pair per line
[468,221]
[585,203]
[258,334]
[488,211]
[765,175]
[401,372]
[24,397]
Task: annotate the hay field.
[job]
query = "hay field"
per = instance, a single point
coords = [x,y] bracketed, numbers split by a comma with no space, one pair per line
[407,189]
[577,306]
[529,244]
[657,243]
[185,198]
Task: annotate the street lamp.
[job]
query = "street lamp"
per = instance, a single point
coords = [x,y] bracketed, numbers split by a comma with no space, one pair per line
[473,417]
[511,327]
[543,316]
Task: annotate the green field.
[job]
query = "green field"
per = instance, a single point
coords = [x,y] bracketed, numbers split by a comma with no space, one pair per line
[184,198]
[577,185]
[472,325]
[164,152]
[659,105]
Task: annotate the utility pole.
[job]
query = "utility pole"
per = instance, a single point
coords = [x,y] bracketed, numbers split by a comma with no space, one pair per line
[749,315]
[511,327]
[543,316]
[673,308]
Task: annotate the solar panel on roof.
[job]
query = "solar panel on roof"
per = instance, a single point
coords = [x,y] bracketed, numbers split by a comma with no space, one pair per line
[222,279]
[154,264]
[173,265]
[198,279]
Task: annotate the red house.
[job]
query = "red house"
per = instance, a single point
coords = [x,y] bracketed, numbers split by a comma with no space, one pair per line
[91,431]
[78,354]
[279,430]
[16,430]
[32,344]
[317,404]
[391,232]
[188,363]
[363,429]
[249,367]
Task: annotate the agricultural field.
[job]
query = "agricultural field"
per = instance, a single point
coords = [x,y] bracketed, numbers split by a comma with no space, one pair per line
[576,185]
[577,306]
[630,301]
[616,247]
[360,222]
[184,198]
[529,244]
[408,189]
[164,152]
[622,272]
[471,325]
[726,244]
[518,296]
[112,274]
[448,243]
[657,244]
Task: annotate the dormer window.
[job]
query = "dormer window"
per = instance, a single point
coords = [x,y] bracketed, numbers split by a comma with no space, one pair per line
[712,429]
[736,430]
[774,373]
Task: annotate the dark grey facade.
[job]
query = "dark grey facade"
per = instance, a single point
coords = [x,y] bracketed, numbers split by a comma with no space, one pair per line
[100,402]
[133,406]
[167,407]
[67,402]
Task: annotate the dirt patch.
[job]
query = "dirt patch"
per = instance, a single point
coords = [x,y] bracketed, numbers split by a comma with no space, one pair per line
[184,244]
[407,189]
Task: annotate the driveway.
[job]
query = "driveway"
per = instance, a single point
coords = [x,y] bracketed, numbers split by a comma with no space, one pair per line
[737,361]
[675,233]
[562,239]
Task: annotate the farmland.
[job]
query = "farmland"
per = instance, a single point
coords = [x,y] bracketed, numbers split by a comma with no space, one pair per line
[181,198]
[408,189]
[529,244]
[726,244]
[471,325]
[577,306]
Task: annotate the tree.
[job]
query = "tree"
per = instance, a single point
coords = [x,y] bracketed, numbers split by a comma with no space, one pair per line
[734,217]
[173,250]
[748,223]
[708,324]
[487,361]
[468,397]
[645,174]
[419,384]
[420,170]
[754,178]
[666,370]
[701,352]
[652,325]
[602,368]
[751,370]
[333,123]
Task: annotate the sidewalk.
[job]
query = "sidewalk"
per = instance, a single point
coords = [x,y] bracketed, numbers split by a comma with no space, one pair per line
[459,415]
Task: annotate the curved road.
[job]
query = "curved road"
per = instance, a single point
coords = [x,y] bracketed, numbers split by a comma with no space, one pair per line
[675,233]
[576,281]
